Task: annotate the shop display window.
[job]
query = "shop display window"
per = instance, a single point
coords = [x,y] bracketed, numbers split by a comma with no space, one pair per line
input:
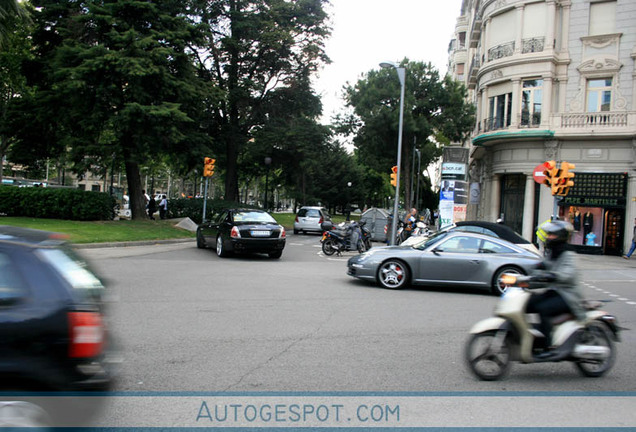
[588,225]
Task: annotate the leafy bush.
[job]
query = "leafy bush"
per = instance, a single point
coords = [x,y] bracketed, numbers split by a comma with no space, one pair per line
[193,208]
[50,203]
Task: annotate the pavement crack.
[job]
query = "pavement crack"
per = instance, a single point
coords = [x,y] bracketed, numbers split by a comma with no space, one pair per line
[284,350]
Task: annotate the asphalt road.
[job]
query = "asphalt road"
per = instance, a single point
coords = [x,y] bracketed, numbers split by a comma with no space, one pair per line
[188,321]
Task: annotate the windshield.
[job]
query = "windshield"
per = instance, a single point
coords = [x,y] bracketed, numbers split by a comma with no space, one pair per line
[427,241]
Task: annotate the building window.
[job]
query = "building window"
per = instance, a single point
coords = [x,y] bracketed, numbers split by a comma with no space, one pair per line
[462,40]
[602,18]
[599,95]
[531,97]
[500,108]
[95,188]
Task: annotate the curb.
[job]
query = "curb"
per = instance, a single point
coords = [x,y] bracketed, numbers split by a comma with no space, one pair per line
[132,243]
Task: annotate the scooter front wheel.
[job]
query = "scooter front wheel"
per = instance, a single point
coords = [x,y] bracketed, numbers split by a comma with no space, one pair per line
[597,335]
[487,356]
[328,247]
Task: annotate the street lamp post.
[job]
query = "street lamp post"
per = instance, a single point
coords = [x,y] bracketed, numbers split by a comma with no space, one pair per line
[401,72]
[268,161]
[417,190]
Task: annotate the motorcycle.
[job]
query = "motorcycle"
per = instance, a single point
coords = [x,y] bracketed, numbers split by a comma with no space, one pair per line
[510,336]
[353,236]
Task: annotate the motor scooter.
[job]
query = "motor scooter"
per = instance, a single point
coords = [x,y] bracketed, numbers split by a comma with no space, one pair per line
[348,237]
[512,336]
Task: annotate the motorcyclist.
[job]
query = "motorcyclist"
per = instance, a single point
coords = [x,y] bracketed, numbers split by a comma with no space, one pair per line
[560,273]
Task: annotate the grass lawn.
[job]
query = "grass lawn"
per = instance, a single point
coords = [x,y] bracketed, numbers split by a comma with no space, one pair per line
[103,231]
[125,230]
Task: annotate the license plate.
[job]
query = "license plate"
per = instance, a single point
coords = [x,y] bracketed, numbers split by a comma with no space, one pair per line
[260,233]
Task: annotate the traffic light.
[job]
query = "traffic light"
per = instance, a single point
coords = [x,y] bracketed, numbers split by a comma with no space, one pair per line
[565,178]
[552,176]
[208,167]
[394,176]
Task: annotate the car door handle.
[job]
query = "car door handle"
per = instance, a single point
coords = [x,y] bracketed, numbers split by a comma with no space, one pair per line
[475,261]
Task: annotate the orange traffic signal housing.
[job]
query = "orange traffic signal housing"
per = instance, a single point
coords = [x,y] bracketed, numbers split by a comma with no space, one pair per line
[394,176]
[208,167]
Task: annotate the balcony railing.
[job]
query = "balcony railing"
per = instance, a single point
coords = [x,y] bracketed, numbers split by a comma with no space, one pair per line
[527,119]
[532,45]
[494,123]
[599,119]
[500,51]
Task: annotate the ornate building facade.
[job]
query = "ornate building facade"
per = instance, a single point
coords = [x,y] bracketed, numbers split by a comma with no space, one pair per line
[552,79]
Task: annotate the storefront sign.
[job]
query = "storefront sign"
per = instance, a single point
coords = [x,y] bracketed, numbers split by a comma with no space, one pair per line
[593,202]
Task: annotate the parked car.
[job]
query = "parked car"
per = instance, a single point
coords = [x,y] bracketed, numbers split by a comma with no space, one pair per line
[449,258]
[53,327]
[489,228]
[309,219]
[242,230]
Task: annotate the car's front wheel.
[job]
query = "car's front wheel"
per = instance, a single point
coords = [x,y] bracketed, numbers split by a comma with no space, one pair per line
[498,287]
[220,249]
[393,274]
[200,240]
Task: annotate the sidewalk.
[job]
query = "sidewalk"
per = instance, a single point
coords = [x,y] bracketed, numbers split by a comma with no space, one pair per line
[600,262]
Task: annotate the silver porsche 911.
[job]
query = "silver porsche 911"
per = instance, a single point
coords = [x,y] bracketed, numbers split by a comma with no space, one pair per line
[449,258]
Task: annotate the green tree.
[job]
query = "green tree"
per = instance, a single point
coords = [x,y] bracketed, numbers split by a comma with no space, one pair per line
[435,112]
[254,48]
[15,50]
[115,82]
[9,11]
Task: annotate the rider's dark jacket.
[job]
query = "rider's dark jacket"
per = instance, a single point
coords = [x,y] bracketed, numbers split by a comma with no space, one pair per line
[565,273]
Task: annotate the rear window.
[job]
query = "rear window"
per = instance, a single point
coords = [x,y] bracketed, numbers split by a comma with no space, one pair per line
[253,217]
[312,213]
[74,271]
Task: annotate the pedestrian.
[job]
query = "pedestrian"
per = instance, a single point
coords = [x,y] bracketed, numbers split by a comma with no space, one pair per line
[631,249]
[163,207]
[146,197]
[152,208]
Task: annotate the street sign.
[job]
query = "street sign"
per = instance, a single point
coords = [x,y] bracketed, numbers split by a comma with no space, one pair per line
[538,175]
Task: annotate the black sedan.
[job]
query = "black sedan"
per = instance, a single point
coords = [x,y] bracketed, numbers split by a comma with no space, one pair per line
[242,230]
[53,332]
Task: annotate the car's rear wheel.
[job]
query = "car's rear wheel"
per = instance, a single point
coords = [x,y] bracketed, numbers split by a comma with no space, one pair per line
[498,287]
[276,254]
[393,274]
[200,240]
[220,249]
[296,231]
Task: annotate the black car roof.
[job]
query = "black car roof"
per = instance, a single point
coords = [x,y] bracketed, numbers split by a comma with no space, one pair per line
[503,231]
[30,237]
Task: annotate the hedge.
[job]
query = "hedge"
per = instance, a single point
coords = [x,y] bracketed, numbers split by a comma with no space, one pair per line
[193,208]
[52,203]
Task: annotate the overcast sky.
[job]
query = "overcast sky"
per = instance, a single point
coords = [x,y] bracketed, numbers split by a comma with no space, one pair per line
[367,32]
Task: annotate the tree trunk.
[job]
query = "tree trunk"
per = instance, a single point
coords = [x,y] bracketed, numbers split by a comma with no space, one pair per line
[137,199]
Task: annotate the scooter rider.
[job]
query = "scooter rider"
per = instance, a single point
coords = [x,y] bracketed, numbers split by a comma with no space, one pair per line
[559,272]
